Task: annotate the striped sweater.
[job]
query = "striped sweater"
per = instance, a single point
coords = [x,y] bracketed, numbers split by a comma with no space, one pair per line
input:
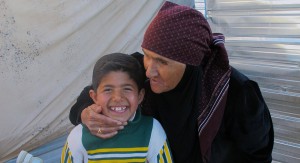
[142,140]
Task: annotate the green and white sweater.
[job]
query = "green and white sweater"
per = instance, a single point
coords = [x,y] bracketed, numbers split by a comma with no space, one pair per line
[142,140]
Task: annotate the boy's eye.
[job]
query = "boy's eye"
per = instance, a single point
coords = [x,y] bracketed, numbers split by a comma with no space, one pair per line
[128,89]
[107,90]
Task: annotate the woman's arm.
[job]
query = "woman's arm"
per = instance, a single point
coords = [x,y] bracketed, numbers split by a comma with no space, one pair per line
[83,101]
[248,121]
[254,132]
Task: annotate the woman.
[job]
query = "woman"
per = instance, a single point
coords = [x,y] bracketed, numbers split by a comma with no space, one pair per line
[209,110]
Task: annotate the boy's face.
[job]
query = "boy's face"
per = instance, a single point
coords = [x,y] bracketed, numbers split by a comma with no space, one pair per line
[118,95]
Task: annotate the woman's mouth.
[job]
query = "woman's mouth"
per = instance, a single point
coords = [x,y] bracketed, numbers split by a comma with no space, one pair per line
[153,81]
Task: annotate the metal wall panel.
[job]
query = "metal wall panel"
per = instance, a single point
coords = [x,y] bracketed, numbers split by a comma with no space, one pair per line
[263,41]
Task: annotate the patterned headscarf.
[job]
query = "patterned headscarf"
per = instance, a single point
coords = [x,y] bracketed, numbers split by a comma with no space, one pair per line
[179,33]
[182,34]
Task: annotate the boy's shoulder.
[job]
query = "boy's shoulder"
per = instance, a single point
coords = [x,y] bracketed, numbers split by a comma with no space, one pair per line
[77,130]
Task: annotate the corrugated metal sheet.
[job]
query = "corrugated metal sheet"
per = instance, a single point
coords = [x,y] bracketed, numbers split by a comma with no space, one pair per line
[263,41]
[200,6]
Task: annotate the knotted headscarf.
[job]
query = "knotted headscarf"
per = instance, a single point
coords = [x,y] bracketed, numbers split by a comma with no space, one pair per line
[182,34]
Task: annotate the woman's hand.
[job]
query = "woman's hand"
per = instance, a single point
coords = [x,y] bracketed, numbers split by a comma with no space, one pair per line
[98,124]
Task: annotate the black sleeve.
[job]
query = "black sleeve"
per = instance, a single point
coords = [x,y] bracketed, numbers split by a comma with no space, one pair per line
[140,58]
[82,102]
[256,136]
[250,127]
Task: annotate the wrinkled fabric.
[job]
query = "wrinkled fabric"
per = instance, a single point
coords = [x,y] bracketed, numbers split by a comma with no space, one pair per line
[47,52]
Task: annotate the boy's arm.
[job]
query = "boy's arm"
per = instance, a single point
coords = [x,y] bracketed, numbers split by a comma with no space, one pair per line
[66,156]
[159,149]
[73,150]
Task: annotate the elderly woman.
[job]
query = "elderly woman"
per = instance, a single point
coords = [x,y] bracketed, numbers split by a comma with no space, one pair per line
[209,110]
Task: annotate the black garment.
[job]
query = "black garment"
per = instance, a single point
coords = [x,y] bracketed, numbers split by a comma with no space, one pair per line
[246,133]
[84,100]
[177,113]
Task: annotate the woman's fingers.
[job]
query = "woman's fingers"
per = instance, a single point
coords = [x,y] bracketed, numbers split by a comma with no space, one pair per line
[99,124]
[107,121]
[107,135]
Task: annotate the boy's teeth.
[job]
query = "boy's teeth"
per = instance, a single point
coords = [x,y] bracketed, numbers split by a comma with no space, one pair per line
[118,108]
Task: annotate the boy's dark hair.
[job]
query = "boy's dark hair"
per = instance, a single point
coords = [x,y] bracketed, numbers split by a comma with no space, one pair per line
[118,62]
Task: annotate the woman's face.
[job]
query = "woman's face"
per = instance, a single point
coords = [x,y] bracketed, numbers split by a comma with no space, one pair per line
[164,73]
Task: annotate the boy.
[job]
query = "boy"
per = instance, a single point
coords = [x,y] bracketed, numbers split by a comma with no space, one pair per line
[118,88]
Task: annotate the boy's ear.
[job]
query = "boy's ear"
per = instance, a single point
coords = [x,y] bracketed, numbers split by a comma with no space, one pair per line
[141,95]
[93,95]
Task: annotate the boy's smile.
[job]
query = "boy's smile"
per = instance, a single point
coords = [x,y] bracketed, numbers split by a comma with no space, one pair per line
[118,95]
[120,109]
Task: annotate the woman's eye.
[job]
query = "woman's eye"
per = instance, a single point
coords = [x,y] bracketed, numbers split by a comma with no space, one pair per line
[161,61]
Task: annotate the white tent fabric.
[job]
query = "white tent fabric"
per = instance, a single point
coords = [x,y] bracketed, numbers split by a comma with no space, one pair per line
[47,52]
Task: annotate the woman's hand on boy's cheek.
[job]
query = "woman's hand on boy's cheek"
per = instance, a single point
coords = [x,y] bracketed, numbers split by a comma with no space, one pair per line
[99,124]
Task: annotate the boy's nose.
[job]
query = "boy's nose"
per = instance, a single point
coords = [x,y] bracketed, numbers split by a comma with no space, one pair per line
[117,96]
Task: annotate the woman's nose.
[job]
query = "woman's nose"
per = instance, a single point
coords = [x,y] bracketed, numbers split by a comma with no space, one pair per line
[151,70]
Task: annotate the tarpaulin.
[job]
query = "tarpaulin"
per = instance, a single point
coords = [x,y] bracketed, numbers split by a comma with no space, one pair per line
[47,52]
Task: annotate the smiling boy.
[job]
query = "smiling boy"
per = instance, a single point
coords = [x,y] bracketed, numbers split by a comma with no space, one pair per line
[117,86]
